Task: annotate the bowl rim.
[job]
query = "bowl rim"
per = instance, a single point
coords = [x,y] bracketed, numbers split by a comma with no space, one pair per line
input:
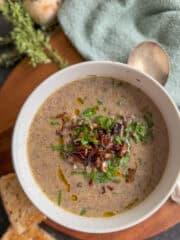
[15,132]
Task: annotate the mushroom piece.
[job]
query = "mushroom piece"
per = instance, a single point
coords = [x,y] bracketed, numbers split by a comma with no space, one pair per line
[43,12]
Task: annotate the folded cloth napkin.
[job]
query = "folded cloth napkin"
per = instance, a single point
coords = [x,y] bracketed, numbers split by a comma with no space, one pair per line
[109,29]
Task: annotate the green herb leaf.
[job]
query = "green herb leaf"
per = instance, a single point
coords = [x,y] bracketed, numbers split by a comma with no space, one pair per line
[124,160]
[59,198]
[68,148]
[104,122]
[117,140]
[84,135]
[89,112]
[99,102]
[57,147]
[53,122]
[139,131]
[117,117]
[62,148]
[83,212]
[78,172]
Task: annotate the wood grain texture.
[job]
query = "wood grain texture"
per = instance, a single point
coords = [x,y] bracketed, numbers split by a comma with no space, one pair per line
[14,92]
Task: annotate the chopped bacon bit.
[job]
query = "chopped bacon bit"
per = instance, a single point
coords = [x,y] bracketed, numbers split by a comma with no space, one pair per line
[103,190]
[123,150]
[110,187]
[86,152]
[105,139]
[64,116]
[61,115]
[59,132]
[108,156]
[90,182]
[116,147]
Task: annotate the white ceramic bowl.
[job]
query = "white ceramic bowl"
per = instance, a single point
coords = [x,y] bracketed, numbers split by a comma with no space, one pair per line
[128,218]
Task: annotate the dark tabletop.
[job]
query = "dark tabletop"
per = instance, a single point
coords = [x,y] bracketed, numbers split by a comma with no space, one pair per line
[171,234]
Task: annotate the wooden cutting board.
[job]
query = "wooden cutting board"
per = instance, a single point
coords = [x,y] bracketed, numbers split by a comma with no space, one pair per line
[20,83]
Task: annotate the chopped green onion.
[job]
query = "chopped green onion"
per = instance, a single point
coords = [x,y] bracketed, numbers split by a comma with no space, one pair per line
[57,147]
[99,102]
[53,122]
[89,112]
[104,122]
[59,198]
[83,212]
[117,139]
[124,160]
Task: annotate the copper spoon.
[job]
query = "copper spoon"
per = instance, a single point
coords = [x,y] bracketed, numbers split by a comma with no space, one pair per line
[149,57]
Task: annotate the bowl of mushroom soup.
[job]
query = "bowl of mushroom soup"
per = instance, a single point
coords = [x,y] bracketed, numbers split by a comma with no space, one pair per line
[95,146]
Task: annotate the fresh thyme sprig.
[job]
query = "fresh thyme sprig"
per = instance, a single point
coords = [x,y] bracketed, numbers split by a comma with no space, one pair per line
[28,40]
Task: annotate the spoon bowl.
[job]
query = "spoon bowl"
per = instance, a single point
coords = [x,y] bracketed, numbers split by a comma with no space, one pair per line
[150,58]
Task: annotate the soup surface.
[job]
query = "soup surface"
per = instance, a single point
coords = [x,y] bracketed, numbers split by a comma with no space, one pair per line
[97,146]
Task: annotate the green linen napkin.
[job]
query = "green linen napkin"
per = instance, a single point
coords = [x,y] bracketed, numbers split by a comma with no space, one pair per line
[109,29]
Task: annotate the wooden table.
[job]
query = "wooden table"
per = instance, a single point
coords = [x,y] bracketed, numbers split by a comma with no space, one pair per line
[16,89]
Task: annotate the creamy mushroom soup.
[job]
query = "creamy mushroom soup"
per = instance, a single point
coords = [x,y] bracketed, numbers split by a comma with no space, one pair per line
[98,146]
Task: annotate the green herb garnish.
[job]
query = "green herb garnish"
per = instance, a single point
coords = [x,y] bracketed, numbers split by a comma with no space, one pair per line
[139,132]
[124,160]
[84,135]
[83,212]
[67,148]
[57,147]
[59,200]
[78,172]
[104,122]
[63,179]
[113,167]
[117,140]
[99,102]
[53,122]
[89,112]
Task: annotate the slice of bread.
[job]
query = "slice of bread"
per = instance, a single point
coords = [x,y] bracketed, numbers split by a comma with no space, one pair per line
[22,214]
[34,233]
